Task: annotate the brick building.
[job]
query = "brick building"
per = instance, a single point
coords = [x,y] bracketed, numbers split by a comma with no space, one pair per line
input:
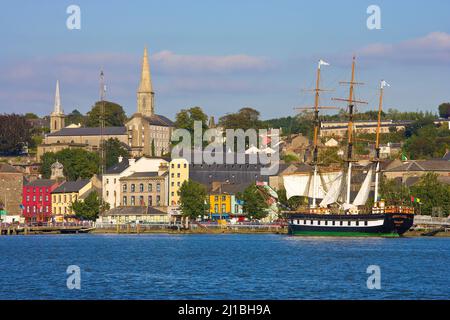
[37,200]
[11,182]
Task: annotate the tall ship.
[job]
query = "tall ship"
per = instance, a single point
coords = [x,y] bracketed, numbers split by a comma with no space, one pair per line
[332,208]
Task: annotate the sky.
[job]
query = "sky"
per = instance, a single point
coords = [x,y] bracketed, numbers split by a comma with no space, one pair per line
[223,55]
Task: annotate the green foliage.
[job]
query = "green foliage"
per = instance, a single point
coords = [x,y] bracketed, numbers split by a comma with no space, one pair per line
[15,132]
[328,156]
[291,125]
[290,158]
[193,199]
[444,110]
[433,194]
[245,118]
[113,149]
[186,117]
[427,141]
[75,117]
[30,115]
[89,209]
[255,206]
[78,163]
[114,116]
[293,203]
[393,192]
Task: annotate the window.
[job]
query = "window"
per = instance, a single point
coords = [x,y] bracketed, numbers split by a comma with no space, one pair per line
[178,175]
[158,187]
[46,198]
[216,208]
[34,198]
[141,187]
[172,193]
[224,198]
[124,187]
[124,201]
[173,166]
[132,201]
[107,193]
[224,208]
[141,200]
[172,175]
[172,184]
[150,187]
[133,187]
[178,166]
[185,166]
[158,200]
[59,198]
[28,198]
[216,198]
[114,180]
[107,181]
[150,200]
[178,183]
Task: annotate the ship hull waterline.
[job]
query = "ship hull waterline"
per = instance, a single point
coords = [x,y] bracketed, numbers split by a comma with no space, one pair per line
[368,225]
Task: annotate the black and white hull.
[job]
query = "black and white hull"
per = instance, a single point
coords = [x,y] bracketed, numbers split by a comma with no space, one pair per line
[381,224]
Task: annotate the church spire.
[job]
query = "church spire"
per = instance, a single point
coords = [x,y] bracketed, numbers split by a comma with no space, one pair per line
[145,94]
[57,116]
[57,109]
[146,81]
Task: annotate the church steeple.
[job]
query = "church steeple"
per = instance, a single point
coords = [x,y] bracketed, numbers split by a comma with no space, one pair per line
[57,116]
[145,94]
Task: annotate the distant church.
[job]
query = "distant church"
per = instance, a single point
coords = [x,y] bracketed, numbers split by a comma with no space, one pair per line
[145,134]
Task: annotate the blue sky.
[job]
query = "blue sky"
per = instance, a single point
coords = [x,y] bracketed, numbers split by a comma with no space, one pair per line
[222,55]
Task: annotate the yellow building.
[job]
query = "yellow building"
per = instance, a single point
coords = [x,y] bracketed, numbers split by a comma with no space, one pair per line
[220,204]
[66,194]
[178,173]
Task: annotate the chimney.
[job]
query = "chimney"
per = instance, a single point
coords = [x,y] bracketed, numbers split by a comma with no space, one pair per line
[120,159]
[163,167]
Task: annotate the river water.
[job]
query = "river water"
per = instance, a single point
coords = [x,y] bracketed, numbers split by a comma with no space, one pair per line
[222,267]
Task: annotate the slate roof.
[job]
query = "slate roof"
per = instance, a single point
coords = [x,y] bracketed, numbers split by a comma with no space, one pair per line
[422,165]
[88,131]
[236,174]
[142,175]
[158,120]
[6,168]
[71,186]
[40,183]
[118,167]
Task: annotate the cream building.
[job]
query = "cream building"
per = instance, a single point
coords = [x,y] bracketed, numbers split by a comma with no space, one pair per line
[149,133]
[178,173]
[66,194]
[124,168]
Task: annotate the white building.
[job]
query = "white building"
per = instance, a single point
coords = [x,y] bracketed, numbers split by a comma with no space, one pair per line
[125,168]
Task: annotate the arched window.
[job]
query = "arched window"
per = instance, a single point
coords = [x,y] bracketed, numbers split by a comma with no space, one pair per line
[141,187]
[133,187]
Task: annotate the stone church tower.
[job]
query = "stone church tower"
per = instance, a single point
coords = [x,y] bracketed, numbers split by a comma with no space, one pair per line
[57,116]
[145,94]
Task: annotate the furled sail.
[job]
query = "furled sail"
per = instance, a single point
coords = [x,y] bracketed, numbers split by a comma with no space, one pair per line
[302,184]
[363,194]
[334,191]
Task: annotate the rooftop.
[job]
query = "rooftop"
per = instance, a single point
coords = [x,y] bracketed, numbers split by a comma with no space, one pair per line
[71,186]
[88,131]
[40,183]
[422,165]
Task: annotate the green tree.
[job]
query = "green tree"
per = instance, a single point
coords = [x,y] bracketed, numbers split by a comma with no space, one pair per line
[78,163]
[428,142]
[245,118]
[89,209]
[394,192]
[255,205]
[114,115]
[30,115]
[444,110]
[113,150]
[432,193]
[186,117]
[15,133]
[193,197]
[75,117]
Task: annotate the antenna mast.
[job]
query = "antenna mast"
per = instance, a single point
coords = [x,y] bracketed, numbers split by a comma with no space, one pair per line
[102,126]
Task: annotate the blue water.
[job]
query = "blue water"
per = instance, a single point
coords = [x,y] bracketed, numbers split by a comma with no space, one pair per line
[222,267]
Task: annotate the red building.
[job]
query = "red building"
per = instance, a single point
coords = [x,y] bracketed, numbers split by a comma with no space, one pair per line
[37,200]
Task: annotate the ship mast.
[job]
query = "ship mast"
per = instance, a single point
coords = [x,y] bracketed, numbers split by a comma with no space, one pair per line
[102,126]
[377,142]
[351,104]
[316,123]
